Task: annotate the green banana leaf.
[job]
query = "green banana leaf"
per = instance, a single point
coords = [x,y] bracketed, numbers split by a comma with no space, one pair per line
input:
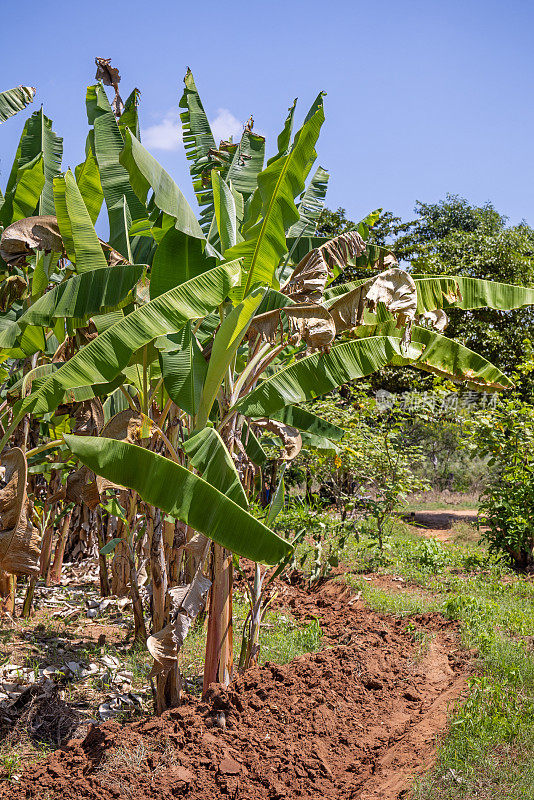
[130,116]
[225,212]
[284,137]
[104,357]
[41,139]
[311,205]
[439,292]
[277,503]
[318,374]
[304,420]
[197,136]
[208,455]
[225,344]
[246,163]
[80,296]
[443,356]
[14,100]
[22,201]
[107,144]
[79,236]
[178,492]
[184,369]
[177,259]
[146,173]
[278,185]
[252,446]
[88,180]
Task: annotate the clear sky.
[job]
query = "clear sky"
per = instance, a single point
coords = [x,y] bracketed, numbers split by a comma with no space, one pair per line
[424,98]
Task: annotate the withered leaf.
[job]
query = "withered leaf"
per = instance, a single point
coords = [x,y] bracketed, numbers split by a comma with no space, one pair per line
[436,319]
[309,278]
[187,602]
[291,438]
[32,233]
[311,323]
[19,540]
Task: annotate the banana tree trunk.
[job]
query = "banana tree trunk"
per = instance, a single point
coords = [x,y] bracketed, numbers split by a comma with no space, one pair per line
[55,572]
[219,659]
[8,588]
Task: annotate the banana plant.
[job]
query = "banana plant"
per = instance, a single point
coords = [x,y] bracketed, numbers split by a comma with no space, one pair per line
[204,334]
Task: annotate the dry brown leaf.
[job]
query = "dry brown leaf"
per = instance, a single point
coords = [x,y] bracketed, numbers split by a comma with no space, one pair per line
[188,601]
[89,417]
[396,289]
[110,77]
[127,425]
[309,278]
[311,323]
[436,319]
[32,233]
[19,540]
[11,289]
[291,438]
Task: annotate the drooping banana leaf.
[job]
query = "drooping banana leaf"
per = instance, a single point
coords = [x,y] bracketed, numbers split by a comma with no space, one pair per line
[443,292]
[177,491]
[14,100]
[184,369]
[311,205]
[304,420]
[208,454]
[104,357]
[278,184]
[146,173]
[80,296]
[77,231]
[443,356]
[318,374]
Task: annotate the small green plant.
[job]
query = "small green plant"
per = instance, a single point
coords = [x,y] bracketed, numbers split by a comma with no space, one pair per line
[11,763]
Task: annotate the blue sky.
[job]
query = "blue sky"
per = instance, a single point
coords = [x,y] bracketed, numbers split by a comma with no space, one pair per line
[424,98]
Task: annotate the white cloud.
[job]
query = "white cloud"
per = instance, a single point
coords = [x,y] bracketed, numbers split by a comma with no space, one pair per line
[167,134]
[225,125]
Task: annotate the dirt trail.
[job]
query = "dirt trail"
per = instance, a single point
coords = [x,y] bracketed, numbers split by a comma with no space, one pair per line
[438,523]
[355,721]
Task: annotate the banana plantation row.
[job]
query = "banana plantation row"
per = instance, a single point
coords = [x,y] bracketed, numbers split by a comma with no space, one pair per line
[142,376]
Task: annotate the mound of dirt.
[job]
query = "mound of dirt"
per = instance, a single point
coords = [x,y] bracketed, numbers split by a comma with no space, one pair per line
[356,720]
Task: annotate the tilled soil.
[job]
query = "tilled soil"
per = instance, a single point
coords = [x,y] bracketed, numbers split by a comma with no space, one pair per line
[357,720]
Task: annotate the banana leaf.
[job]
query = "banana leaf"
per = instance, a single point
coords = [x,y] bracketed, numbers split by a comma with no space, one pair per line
[178,492]
[318,374]
[104,357]
[80,296]
[14,100]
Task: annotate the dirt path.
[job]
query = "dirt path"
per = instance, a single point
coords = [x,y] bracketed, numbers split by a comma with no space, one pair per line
[355,721]
[438,523]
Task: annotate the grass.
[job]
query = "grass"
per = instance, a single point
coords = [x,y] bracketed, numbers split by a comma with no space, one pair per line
[281,640]
[488,751]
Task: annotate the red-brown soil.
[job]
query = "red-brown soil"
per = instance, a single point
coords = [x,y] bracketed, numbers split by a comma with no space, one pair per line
[357,720]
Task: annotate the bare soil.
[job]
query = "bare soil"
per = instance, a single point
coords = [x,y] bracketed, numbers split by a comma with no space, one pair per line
[357,720]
